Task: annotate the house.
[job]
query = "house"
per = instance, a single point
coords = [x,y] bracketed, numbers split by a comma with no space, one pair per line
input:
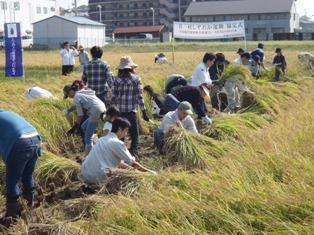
[139,33]
[263,19]
[53,31]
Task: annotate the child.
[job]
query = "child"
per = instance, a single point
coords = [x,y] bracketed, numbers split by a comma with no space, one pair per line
[280,64]
[255,67]
[111,115]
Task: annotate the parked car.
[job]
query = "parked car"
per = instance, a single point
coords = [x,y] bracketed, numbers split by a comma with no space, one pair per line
[1,42]
[143,36]
[27,42]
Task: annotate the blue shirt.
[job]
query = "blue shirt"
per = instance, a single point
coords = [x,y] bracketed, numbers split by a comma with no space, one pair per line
[12,126]
[216,71]
[255,69]
[258,52]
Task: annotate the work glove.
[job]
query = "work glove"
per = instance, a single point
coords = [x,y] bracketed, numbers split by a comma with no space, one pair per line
[75,128]
[144,115]
[66,112]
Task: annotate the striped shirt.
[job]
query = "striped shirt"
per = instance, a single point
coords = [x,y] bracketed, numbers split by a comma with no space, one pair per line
[127,94]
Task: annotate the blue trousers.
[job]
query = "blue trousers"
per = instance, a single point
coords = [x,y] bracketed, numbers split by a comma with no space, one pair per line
[134,131]
[89,127]
[159,139]
[21,165]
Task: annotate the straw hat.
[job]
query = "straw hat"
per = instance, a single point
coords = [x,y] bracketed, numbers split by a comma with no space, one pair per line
[126,62]
[81,47]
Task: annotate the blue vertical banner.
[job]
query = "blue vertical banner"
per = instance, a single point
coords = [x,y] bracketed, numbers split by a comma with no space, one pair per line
[13,50]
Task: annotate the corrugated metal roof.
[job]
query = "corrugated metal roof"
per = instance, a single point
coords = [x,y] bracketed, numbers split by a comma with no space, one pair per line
[139,29]
[238,7]
[75,19]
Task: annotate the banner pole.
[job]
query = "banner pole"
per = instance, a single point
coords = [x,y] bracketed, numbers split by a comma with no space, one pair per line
[173,50]
[245,40]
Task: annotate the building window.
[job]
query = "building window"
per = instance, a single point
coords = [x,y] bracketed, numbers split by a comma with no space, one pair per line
[38,10]
[17,6]
[52,9]
[45,10]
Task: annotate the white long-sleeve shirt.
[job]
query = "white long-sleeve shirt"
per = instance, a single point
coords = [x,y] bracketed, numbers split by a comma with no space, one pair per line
[106,155]
[201,75]
[171,119]
[68,56]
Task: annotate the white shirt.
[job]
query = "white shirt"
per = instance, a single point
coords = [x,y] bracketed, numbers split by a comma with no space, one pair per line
[201,75]
[68,56]
[108,126]
[237,61]
[171,119]
[83,58]
[106,155]
[86,99]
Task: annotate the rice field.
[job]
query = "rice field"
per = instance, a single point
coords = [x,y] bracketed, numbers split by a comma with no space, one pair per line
[250,173]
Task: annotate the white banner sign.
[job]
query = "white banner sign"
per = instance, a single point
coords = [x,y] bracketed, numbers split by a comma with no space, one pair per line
[215,30]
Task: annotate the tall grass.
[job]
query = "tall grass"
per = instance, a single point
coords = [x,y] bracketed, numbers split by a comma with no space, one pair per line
[252,175]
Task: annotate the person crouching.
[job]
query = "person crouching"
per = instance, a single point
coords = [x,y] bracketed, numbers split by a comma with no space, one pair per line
[85,99]
[178,118]
[110,153]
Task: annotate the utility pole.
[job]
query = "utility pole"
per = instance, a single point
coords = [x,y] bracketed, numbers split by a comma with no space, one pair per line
[100,7]
[153,11]
[4,6]
[179,5]
[75,7]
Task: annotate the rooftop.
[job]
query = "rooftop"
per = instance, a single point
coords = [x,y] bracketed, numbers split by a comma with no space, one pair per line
[140,29]
[238,7]
[75,19]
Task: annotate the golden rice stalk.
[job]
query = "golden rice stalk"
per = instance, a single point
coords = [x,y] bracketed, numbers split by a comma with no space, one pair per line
[192,150]
[55,169]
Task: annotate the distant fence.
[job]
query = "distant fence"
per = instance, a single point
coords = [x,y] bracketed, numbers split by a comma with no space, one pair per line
[293,36]
[55,43]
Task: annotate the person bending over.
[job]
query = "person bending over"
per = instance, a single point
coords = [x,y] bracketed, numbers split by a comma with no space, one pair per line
[20,147]
[85,99]
[109,154]
[174,81]
[178,118]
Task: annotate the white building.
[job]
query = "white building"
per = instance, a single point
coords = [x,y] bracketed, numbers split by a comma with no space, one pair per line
[25,12]
[54,31]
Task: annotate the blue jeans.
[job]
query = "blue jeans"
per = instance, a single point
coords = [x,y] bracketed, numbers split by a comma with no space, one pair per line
[89,127]
[21,165]
[159,139]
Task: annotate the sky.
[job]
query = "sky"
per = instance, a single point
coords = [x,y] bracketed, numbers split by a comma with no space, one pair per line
[304,6]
